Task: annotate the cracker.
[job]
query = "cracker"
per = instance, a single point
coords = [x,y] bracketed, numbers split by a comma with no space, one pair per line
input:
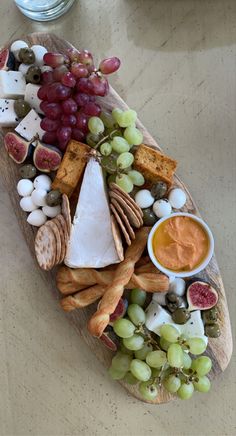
[117,238]
[129,200]
[56,232]
[45,247]
[132,217]
[65,207]
[62,221]
[123,229]
[62,238]
[123,218]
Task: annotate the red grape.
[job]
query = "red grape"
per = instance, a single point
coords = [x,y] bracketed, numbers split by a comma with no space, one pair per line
[82,122]
[109,65]
[69,106]
[68,79]
[47,77]
[85,57]
[54,59]
[43,104]
[79,70]
[64,134]
[42,92]
[81,99]
[56,92]
[84,86]
[73,54]
[100,85]
[58,72]
[77,135]
[68,120]
[52,110]
[49,125]
[50,138]
[62,145]
[92,109]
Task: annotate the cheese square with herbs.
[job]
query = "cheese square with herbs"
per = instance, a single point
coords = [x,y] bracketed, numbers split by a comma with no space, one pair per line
[30,126]
[91,243]
[8,117]
[12,84]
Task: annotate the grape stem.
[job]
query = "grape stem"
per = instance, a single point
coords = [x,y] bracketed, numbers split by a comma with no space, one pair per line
[104,139]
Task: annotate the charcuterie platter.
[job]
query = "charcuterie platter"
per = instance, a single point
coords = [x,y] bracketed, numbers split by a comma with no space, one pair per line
[112,229]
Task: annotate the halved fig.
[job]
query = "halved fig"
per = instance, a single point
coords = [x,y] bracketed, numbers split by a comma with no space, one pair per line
[119,311]
[17,148]
[109,339]
[201,295]
[46,157]
[7,59]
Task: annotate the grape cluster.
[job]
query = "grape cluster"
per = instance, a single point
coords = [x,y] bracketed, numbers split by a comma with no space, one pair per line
[153,362]
[68,93]
[114,134]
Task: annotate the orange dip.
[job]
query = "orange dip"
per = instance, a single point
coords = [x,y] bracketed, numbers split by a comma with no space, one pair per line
[180,244]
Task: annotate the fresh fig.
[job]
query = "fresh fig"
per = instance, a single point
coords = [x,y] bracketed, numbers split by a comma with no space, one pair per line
[201,295]
[109,339]
[17,148]
[46,157]
[7,59]
[119,311]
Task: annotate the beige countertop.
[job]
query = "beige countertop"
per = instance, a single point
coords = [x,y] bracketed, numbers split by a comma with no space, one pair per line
[178,72]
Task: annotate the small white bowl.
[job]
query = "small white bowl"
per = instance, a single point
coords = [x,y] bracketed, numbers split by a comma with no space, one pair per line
[183,274]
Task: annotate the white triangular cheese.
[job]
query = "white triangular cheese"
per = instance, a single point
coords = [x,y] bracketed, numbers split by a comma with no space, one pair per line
[91,243]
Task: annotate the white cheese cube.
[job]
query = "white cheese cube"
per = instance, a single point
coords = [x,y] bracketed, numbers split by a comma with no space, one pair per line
[31,97]
[8,117]
[12,84]
[30,126]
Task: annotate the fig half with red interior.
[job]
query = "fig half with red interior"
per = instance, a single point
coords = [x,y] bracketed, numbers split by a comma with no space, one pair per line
[17,148]
[46,157]
[119,311]
[201,295]
[109,339]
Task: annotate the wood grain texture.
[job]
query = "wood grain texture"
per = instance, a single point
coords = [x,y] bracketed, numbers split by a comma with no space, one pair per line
[219,349]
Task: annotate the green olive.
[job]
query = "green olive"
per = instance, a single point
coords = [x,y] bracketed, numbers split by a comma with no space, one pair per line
[149,217]
[181,315]
[26,55]
[33,74]
[28,171]
[53,198]
[212,330]
[159,190]
[22,108]
[210,316]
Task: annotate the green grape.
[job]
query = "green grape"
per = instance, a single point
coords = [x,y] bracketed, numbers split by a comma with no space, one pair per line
[169,333]
[123,328]
[156,359]
[121,362]
[172,383]
[119,144]
[92,139]
[124,182]
[138,296]
[108,163]
[134,343]
[133,136]
[105,148]
[164,344]
[107,119]
[125,350]
[202,365]
[155,372]
[142,353]
[116,114]
[196,345]
[203,384]
[130,379]
[185,391]
[136,177]
[175,356]
[187,361]
[140,370]
[116,375]
[95,125]
[127,118]
[148,390]
[111,179]
[125,160]
[136,314]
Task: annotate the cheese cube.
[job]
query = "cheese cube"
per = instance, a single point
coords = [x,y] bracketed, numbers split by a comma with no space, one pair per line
[31,97]
[8,117]
[30,126]
[12,84]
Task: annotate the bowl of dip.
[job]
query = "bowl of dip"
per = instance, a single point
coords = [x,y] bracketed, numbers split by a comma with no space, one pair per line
[180,245]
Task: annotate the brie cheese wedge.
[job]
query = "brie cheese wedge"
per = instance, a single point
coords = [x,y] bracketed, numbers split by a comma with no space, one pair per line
[91,243]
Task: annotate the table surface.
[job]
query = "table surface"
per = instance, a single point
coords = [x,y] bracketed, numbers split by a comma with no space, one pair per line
[178,73]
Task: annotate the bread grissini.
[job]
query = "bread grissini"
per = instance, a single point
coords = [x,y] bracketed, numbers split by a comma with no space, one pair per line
[114,291]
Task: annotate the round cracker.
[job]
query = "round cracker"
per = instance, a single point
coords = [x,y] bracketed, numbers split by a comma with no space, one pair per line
[56,232]
[117,238]
[65,208]
[123,218]
[126,196]
[62,239]
[123,229]
[62,221]
[45,247]
[132,217]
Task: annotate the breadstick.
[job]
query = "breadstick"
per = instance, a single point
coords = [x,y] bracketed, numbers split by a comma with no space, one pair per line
[71,280]
[114,291]
[82,298]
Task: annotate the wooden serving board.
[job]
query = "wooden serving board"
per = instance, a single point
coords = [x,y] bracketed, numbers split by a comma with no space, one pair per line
[219,349]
